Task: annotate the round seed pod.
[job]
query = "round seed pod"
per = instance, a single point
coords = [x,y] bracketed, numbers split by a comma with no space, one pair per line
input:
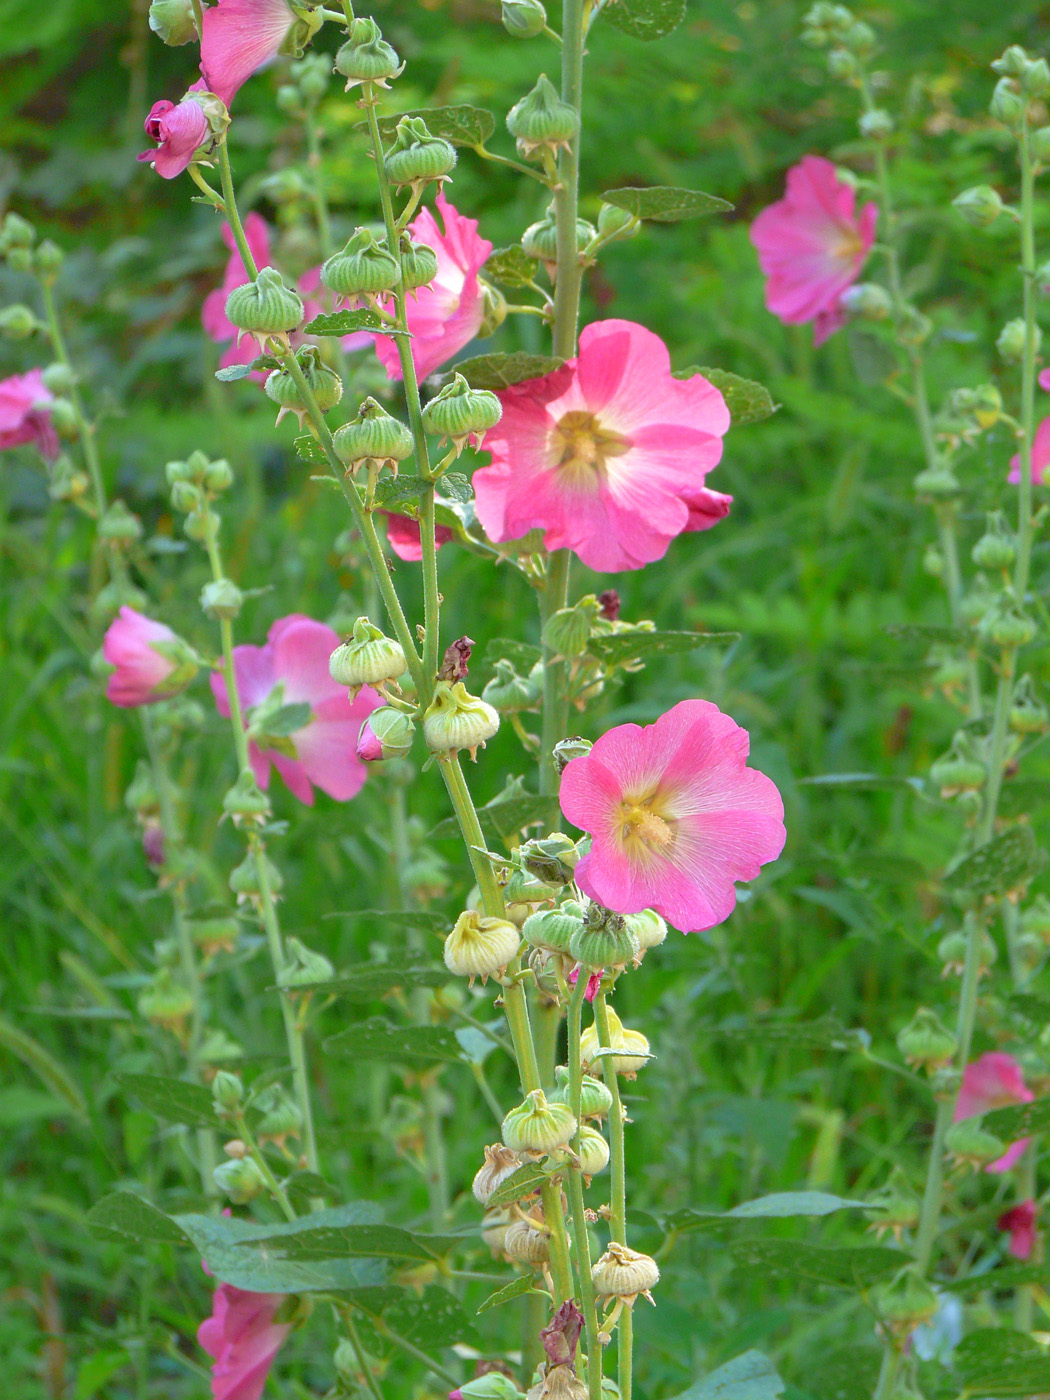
[595,1097]
[622,1272]
[481,947]
[612,945]
[419,264]
[367,658]
[366,57]
[499,1164]
[416,155]
[622,1039]
[554,929]
[527,1244]
[593,1151]
[542,121]
[455,720]
[537,1126]
[374,436]
[460,413]
[362,269]
[264,307]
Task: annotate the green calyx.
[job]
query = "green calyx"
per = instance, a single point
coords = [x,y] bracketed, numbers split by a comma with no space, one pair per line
[554,929]
[366,57]
[511,693]
[611,945]
[541,121]
[540,240]
[419,264]
[374,437]
[173,22]
[264,307]
[325,386]
[362,269]
[538,1126]
[366,658]
[460,413]
[456,720]
[416,156]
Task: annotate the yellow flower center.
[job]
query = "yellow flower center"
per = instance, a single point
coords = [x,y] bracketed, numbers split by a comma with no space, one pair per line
[580,448]
[641,826]
[848,247]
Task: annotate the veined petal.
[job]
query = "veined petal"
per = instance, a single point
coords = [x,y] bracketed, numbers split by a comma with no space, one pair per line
[239,37]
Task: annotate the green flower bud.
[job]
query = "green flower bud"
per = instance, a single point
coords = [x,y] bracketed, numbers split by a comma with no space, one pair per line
[494,309]
[1028,715]
[304,967]
[843,65]
[568,631]
[876,125]
[1013,62]
[633,1042]
[1012,338]
[217,935]
[313,75]
[540,240]
[592,1150]
[523,888]
[366,57]
[1039,145]
[554,929]
[186,497]
[509,692]
[905,1303]
[867,300]
[939,482]
[172,21]
[541,121]
[596,1099]
[622,1272]
[241,1180]
[481,947]
[456,720]
[537,1126]
[373,438]
[523,19]
[118,525]
[264,307]
[459,413]
[419,264]
[48,260]
[416,156]
[607,944]
[552,859]
[615,223]
[64,418]
[996,548]
[19,259]
[17,322]
[386,733]
[366,658]
[1006,106]
[167,1003]
[16,232]
[59,378]
[280,1121]
[926,1042]
[1035,80]
[364,268]
[1006,627]
[952,952]
[647,929]
[289,101]
[227,1090]
[972,1145]
[324,383]
[980,205]
[959,770]
[246,802]
[246,878]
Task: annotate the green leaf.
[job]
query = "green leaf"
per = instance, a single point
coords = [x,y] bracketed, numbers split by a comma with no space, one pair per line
[780,1205]
[379,1039]
[500,371]
[1002,1278]
[232,372]
[873,360]
[619,648]
[927,632]
[175,1100]
[863,782]
[521,655]
[510,267]
[747,400]
[132,1217]
[514,808]
[824,1033]
[347,322]
[97,1370]
[308,449]
[373,980]
[526,1179]
[304,1239]
[1005,864]
[645,19]
[454,486]
[996,1361]
[463,126]
[245,1254]
[751,1376]
[858,1267]
[1017,1120]
[44,1065]
[288,719]
[393,490]
[475,1044]
[507,1293]
[664,204]
[431,1322]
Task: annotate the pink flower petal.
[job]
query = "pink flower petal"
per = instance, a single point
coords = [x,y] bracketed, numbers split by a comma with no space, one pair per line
[239,37]
[1040,454]
[993,1081]
[141,671]
[181,131]
[243,1339]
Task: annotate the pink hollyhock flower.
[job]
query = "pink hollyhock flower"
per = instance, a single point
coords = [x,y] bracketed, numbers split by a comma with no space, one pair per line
[243,1338]
[706,508]
[292,669]
[992,1082]
[239,37]
[1040,452]
[445,315]
[812,245]
[1020,1221]
[153,663]
[23,413]
[675,816]
[607,455]
[181,131]
[402,535]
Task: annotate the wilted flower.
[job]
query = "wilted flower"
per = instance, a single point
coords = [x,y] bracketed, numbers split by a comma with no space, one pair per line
[812,245]
[23,413]
[993,1081]
[675,815]
[180,132]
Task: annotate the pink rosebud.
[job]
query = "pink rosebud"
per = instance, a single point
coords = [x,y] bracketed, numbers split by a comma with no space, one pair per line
[402,535]
[1020,1221]
[1040,452]
[993,1081]
[23,413]
[292,669]
[675,816]
[243,1338]
[239,37]
[446,314]
[812,245]
[180,131]
[153,663]
[706,508]
[606,454]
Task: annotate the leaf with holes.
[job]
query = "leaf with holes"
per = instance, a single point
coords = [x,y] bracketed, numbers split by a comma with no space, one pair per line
[463,125]
[645,19]
[1006,864]
[308,449]
[859,1267]
[664,204]
[131,1217]
[347,322]
[781,1205]
[510,267]
[500,371]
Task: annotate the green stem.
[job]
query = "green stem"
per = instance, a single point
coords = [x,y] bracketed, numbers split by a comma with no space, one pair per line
[618,1201]
[891,1363]
[566,194]
[576,1201]
[272,1184]
[318,194]
[997,744]
[1028,368]
[347,1316]
[513,164]
[233,217]
[555,596]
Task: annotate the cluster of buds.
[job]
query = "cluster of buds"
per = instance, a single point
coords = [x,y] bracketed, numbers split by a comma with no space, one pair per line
[22,253]
[195,485]
[1022,82]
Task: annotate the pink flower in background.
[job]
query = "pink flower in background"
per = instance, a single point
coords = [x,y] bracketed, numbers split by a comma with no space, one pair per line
[243,1339]
[992,1082]
[675,816]
[1020,1221]
[213,313]
[180,131]
[292,669]
[447,313]
[23,413]
[239,37]
[1040,452]
[607,455]
[812,245]
[153,662]
[402,535]
[706,508]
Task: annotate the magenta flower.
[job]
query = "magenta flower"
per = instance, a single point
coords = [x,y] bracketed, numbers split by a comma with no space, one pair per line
[447,313]
[23,413]
[607,455]
[239,37]
[153,663]
[812,245]
[675,816]
[1040,453]
[243,1339]
[402,535]
[1020,1221]
[292,669]
[180,130]
[706,508]
[992,1082]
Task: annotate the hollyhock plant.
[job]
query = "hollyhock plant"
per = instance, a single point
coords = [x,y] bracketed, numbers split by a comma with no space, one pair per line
[1020,1222]
[675,816]
[607,455]
[1040,456]
[292,669]
[243,1338]
[239,36]
[447,313]
[23,413]
[402,535]
[812,245]
[152,662]
[180,132]
[992,1082]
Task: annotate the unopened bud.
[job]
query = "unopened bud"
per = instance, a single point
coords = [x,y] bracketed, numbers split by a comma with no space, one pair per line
[1006,105]
[867,300]
[537,1126]
[366,658]
[304,967]
[926,1042]
[876,125]
[221,598]
[417,156]
[523,19]
[240,1180]
[541,121]
[227,1090]
[481,947]
[1012,339]
[499,1164]
[17,322]
[386,733]
[979,206]
[264,307]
